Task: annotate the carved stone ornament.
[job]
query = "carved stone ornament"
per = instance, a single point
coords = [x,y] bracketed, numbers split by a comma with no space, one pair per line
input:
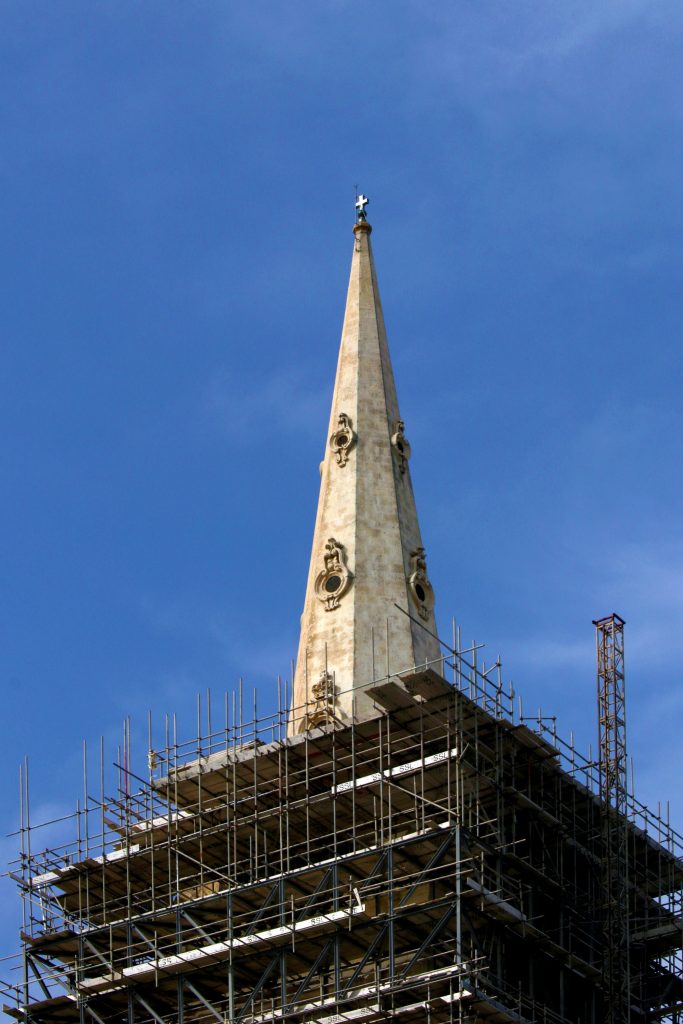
[323,690]
[343,439]
[400,445]
[419,586]
[335,579]
[321,708]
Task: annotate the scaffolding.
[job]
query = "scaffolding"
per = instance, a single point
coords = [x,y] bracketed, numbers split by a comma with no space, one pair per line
[440,858]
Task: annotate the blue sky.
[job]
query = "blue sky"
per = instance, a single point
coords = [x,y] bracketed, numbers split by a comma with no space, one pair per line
[177,187]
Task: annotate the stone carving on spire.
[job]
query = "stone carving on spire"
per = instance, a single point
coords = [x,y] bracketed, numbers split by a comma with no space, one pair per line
[343,439]
[335,579]
[321,708]
[400,445]
[419,586]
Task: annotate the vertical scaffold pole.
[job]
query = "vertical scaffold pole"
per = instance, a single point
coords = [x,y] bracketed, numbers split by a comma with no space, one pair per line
[613,767]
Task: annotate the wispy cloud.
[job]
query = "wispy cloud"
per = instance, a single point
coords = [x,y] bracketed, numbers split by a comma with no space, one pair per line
[541,653]
[641,581]
[283,403]
[507,40]
[647,577]
[245,642]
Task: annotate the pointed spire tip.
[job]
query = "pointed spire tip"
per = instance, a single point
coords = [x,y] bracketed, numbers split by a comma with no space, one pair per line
[361,216]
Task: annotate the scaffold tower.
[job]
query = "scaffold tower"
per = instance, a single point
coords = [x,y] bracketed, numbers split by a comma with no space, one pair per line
[614,796]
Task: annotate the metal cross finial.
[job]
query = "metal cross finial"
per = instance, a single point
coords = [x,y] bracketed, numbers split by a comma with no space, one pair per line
[361,202]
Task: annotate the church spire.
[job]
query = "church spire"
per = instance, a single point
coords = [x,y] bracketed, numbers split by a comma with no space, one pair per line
[367,555]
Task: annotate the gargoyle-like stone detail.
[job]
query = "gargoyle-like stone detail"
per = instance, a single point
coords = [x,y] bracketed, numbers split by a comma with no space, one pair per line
[400,445]
[343,439]
[321,707]
[324,689]
[335,579]
[418,584]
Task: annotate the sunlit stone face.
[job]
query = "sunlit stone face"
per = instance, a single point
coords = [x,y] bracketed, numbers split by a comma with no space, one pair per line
[352,627]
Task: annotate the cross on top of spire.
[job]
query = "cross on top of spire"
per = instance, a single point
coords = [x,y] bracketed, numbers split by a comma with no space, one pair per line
[361,202]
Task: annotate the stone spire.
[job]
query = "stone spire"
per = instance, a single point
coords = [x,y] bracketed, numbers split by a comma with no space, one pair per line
[367,552]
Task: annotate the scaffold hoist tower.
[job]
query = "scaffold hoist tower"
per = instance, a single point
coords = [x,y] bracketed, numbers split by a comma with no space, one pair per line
[614,797]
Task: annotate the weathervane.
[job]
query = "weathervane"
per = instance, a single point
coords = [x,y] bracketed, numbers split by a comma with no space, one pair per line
[361,202]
